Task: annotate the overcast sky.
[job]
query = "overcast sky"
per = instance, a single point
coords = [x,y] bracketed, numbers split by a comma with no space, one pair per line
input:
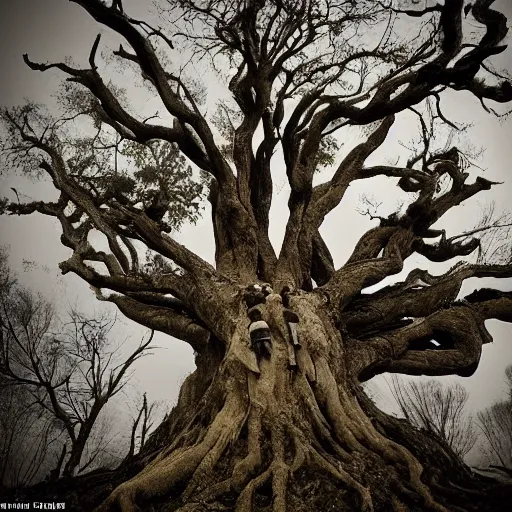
[53,29]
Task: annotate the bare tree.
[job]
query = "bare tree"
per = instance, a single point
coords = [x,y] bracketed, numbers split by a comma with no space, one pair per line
[143,423]
[71,375]
[28,438]
[26,432]
[282,339]
[106,445]
[496,425]
[438,409]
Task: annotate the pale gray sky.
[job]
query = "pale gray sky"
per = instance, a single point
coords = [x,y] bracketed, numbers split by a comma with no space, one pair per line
[53,29]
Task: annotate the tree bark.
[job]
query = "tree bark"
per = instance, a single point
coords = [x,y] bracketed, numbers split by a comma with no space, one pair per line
[250,434]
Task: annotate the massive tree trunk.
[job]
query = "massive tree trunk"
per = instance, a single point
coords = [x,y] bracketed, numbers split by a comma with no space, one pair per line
[251,435]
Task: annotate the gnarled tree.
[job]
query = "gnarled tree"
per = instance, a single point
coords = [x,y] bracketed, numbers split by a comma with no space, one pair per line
[293,430]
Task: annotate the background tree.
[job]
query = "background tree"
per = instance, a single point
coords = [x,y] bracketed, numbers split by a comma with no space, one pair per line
[439,410]
[496,425]
[283,432]
[69,375]
[27,438]
[27,433]
[143,423]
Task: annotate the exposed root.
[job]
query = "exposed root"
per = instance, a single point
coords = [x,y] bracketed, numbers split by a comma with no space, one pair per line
[415,472]
[205,467]
[191,507]
[244,503]
[399,455]
[280,473]
[328,395]
[241,478]
[244,469]
[300,454]
[159,477]
[280,470]
[215,491]
[318,421]
[463,489]
[155,482]
[358,429]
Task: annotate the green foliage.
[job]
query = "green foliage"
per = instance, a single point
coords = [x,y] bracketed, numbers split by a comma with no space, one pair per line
[153,176]
[157,265]
[163,176]
[158,176]
[326,155]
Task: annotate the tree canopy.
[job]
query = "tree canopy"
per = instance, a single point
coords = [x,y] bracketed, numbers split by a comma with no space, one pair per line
[322,63]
